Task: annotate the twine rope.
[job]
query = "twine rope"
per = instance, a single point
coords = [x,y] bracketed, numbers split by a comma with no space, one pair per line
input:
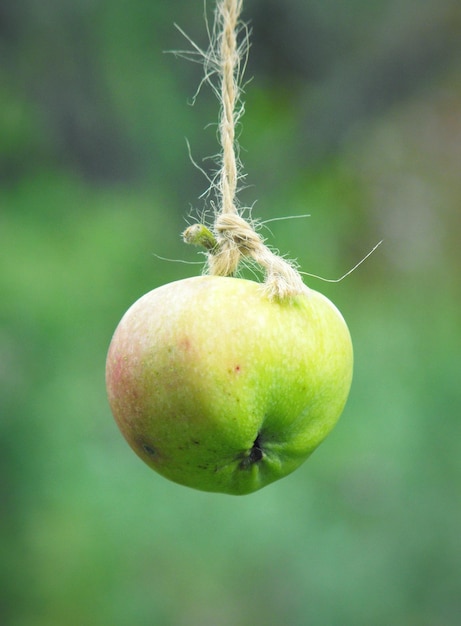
[229,11]
[233,236]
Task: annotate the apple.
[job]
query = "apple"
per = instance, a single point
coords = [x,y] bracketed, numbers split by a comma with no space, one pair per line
[219,388]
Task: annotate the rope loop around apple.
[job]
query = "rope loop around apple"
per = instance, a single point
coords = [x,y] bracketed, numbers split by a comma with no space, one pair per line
[235,238]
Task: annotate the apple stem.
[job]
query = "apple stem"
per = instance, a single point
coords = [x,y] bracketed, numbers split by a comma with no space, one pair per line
[200,235]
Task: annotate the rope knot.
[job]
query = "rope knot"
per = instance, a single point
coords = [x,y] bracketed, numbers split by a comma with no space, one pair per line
[237,232]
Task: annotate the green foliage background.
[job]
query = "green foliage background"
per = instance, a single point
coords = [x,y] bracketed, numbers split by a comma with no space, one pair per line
[353,116]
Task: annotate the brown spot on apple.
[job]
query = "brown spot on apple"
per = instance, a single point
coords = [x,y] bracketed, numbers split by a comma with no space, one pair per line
[148,449]
[185,344]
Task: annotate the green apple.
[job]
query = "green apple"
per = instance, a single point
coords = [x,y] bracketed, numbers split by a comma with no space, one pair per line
[219,388]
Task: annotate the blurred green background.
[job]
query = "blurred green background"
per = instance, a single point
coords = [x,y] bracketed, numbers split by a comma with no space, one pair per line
[353,115]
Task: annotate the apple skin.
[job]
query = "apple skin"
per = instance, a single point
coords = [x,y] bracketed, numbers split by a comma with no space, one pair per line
[219,388]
